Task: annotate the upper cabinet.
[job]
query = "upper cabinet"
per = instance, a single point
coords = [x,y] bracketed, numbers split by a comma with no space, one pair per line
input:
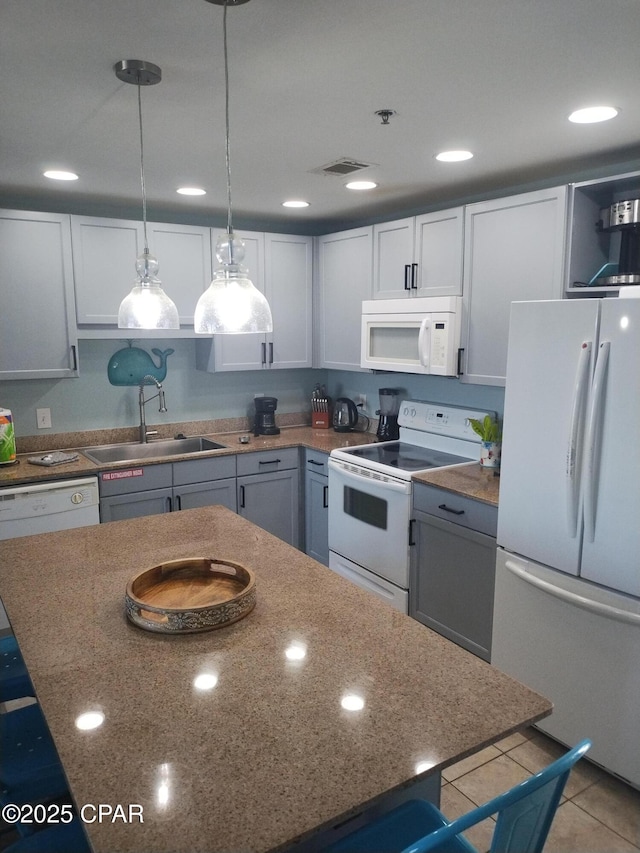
[343,277]
[104,261]
[37,322]
[604,241]
[514,250]
[419,256]
[280,266]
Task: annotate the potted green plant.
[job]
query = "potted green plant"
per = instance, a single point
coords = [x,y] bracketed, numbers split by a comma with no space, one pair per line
[490,431]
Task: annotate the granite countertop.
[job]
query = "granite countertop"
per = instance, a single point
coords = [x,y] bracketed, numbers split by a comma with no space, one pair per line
[470,480]
[324,440]
[269,754]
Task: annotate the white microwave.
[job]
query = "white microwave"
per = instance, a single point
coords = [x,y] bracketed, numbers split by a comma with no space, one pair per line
[419,335]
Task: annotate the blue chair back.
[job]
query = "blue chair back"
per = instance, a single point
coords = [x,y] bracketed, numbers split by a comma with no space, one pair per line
[525,812]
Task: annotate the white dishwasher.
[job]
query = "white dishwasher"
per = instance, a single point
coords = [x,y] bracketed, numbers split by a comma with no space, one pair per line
[45,508]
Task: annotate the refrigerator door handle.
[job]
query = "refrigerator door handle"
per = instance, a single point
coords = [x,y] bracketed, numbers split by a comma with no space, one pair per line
[607,610]
[592,441]
[575,434]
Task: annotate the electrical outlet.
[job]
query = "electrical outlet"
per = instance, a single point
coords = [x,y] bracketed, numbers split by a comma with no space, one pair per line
[361,400]
[43,418]
[258,394]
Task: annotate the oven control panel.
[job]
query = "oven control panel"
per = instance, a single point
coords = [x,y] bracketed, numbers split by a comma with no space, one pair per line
[451,421]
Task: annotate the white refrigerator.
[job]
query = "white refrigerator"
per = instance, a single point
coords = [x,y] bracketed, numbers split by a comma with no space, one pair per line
[567,593]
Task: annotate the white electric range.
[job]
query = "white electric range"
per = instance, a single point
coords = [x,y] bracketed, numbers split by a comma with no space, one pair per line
[370,491]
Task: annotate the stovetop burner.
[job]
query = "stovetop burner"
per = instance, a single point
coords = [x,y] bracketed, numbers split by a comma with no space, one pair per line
[405,457]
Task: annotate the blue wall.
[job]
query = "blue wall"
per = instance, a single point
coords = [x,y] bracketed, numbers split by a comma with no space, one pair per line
[91,402]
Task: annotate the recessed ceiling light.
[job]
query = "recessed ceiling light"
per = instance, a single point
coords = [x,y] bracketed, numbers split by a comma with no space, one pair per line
[453,156]
[58,175]
[589,115]
[361,185]
[295,203]
[191,191]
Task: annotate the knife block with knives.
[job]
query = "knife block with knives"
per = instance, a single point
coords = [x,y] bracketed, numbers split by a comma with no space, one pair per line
[320,408]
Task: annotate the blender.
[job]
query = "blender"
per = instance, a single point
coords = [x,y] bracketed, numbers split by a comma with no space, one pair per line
[388,413]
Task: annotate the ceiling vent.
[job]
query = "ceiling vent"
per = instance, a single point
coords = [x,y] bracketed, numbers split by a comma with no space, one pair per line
[342,167]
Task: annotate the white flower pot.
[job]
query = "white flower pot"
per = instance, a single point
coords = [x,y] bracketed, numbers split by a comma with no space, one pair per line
[490,454]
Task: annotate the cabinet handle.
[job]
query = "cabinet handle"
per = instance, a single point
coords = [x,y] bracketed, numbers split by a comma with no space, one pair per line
[315,462]
[450,509]
[412,521]
[242,496]
[264,353]
[414,276]
[74,356]
[169,505]
[459,367]
[407,276]
[269,461]
[178,502]
[270,352]
[325,497]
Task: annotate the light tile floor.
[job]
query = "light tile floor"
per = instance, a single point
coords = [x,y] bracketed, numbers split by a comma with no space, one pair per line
[598,813]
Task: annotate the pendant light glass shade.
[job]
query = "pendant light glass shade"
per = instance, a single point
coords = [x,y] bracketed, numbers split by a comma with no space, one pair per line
[147,306]
[232,303]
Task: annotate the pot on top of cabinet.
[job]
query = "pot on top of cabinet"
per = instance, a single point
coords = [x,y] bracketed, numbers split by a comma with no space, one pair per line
[345,415]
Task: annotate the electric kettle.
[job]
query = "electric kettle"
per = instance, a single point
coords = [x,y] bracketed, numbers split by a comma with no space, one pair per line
[345,415]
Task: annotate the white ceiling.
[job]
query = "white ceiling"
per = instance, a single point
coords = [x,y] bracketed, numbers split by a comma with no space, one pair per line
[498,77]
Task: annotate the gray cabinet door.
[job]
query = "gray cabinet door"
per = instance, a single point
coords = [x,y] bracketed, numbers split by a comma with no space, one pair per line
[392,259]
[289,274]
[452,582]
[344,281]
[135,505]
[206,494]
[514,250]
[271,502]
[316,510]
[37,324]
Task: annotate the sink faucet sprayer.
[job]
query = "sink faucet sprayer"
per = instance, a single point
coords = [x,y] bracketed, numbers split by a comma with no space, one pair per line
[144,433]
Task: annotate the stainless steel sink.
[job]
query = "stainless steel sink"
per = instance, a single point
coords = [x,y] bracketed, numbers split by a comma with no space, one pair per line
[134,451]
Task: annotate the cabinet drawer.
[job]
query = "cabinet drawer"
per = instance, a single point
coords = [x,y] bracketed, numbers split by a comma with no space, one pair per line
[267,461]
[203,470]
[317,462]
[466,512]
[135,478]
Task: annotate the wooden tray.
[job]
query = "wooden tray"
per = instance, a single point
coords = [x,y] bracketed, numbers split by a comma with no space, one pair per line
[194,594]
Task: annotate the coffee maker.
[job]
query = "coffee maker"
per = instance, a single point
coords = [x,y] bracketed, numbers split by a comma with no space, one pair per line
[388,423]
[265,422]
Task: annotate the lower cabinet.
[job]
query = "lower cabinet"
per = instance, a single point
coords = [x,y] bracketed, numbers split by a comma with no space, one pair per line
[268,492]
[169,487]
[316,506]
[453,567]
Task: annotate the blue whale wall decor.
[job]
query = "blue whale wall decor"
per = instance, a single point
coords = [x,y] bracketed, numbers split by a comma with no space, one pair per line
[130,365]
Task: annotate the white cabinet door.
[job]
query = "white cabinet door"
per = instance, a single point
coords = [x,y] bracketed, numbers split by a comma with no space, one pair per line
[514,250]
[344,281]
[104,260]
[184,256]
[37,324]
[289,278]
[104,265]
[438,252]
[393,271]
[419,256]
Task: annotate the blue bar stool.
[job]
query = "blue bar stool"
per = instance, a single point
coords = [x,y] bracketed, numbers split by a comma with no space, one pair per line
[14,678]
[61,838]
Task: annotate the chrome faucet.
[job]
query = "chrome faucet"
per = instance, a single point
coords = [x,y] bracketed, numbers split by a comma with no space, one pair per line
[144,432]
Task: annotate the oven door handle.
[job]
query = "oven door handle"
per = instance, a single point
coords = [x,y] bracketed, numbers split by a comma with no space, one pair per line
[386,485]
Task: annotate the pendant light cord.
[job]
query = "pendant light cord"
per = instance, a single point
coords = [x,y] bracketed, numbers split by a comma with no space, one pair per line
[144,194]
[226,115]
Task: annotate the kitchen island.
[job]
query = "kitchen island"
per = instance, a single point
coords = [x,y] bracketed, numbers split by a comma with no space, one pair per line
[269,755]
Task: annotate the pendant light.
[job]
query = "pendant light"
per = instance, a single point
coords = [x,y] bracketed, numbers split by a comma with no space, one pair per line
[147,306]
[231,303]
